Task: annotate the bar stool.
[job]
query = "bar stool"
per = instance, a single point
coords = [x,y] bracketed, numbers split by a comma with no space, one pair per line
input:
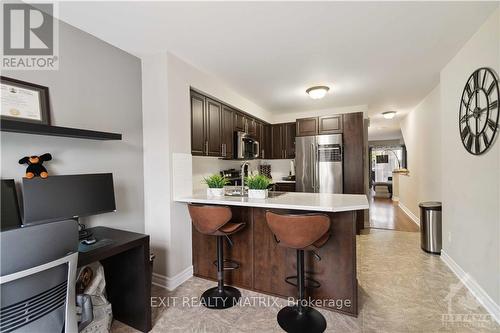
[214,220]
[307,232]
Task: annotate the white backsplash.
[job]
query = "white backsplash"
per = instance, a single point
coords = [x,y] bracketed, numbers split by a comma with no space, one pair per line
[203,166]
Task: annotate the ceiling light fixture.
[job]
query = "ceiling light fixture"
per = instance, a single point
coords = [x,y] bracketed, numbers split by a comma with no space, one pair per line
[389,114]
[317,92]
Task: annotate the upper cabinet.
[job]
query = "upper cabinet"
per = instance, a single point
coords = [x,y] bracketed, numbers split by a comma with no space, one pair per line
[283,141]
[198,124]
[227,136]
[213,125]
[307,126]
[330,124]
[320,125]
[205,126]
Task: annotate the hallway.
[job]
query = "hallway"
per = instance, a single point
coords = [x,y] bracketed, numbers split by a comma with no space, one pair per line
[385,214]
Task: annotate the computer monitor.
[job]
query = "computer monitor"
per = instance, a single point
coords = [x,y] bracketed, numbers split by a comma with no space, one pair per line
[63,197]
[10,205]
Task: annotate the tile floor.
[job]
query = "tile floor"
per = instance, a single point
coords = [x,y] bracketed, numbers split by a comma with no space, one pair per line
[402,289]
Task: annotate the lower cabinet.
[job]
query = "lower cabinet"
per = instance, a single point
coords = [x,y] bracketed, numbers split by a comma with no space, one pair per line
[284,187]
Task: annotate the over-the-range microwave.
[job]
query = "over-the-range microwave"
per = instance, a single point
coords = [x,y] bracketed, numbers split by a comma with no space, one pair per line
[246,147]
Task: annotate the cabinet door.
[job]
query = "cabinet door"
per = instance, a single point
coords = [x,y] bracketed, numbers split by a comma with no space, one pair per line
[285,187]
[260,137]
[268,142]
[330,124]
[227,132]
[289,140]
[213,127]
[197,124]
[277,141]
[239,122]
[252,127]
[307,126]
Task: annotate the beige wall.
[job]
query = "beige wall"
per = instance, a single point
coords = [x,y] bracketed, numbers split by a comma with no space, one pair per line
[421,130]
[470,191]
[468,185]
[98,87]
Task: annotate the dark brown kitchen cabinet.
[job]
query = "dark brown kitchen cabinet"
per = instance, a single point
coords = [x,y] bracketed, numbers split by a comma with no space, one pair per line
[277,141]
[330,124]
[268,142]
[227,132]
[284,187]
[307,126]
[283,141]
[213,128]
[239,122]
[251,127]
[198,124]
[289,140]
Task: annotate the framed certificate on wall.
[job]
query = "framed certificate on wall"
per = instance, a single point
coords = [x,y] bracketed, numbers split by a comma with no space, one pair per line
[24,101]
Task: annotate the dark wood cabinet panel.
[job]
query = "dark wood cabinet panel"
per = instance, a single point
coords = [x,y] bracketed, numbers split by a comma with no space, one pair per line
[284,187]
[227,131]
[307,126]
[354,180]
[330,124]
[265,264]
[268,142]
[277,141]
[252,127]
[213,127]
[289,140]
[197,124]
[239,122]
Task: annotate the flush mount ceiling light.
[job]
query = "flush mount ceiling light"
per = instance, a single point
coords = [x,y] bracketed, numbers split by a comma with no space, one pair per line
[317,92]
[389,114]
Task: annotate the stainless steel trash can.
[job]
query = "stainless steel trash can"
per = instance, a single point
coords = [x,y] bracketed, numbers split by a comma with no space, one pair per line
[431,227]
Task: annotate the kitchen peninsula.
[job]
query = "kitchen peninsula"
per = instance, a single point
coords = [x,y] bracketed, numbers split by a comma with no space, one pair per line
[264,265]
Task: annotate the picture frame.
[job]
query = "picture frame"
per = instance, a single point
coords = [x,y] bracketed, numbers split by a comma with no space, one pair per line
[24,101]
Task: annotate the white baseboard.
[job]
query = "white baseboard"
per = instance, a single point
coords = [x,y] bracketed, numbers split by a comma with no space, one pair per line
[482,297]
[408,212]
[395,198]
[170,283]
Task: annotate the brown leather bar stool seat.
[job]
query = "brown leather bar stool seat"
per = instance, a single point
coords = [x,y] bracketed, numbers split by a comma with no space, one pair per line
[306,232]
[214,220]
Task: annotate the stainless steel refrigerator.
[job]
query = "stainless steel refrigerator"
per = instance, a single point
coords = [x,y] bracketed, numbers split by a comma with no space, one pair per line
[318,162]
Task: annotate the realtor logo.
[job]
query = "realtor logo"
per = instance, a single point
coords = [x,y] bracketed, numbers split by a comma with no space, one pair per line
[29,36]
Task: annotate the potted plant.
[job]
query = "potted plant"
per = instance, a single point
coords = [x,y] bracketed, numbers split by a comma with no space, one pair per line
[257,186]
[216,185]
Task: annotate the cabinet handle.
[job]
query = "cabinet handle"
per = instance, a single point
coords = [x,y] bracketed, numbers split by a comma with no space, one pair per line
[224,150]
[206,147]
[263,155]
[285,154]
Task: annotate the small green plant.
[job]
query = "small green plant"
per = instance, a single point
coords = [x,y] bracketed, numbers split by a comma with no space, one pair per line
[257,182]
[216,181]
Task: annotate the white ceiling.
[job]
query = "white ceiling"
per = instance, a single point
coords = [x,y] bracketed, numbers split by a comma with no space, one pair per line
[385,55]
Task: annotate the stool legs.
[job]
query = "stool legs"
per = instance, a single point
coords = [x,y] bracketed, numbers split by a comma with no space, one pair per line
[220,297]
[301,318]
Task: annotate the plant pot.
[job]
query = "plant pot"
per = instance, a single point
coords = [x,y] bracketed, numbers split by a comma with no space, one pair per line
[215,192]
[258,194]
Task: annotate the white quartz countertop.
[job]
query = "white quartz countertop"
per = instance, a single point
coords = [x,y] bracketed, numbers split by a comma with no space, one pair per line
[322,202]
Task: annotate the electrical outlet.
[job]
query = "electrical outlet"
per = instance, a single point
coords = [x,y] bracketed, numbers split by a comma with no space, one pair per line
[449,237]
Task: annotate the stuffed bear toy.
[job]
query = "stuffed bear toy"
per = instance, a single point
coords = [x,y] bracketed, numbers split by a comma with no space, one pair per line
[35,167]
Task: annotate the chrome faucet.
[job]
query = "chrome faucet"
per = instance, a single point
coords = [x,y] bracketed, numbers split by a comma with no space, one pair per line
[245,163]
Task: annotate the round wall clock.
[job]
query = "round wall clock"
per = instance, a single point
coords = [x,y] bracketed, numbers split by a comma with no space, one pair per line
[479,111]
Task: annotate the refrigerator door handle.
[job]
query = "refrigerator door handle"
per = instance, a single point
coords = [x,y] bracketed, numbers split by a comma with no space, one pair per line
[313,166]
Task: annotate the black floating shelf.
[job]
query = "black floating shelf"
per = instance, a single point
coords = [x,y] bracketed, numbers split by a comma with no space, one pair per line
[39,129]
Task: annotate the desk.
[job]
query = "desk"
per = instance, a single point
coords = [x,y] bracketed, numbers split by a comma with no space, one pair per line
[128,274]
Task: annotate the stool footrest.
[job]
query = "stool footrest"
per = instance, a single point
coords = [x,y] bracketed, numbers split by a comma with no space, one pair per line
[310,283]
[229,265]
